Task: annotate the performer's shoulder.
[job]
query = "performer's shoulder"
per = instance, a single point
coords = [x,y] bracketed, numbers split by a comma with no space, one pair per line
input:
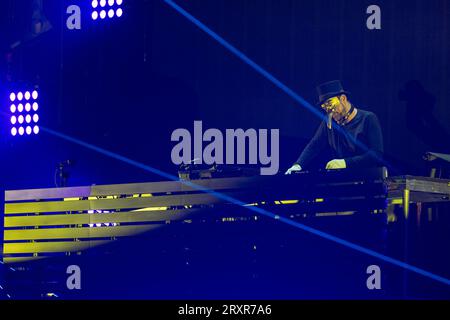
[367,114]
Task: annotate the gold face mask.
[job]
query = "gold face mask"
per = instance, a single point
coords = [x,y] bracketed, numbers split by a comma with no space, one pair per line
[330,105]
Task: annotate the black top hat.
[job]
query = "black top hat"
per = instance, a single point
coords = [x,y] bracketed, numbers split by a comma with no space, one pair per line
[330,89]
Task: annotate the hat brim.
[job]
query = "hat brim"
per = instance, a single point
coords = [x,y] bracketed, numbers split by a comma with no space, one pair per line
[331,95]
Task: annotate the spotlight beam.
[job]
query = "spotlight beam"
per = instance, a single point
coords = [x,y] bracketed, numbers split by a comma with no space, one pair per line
[260,211]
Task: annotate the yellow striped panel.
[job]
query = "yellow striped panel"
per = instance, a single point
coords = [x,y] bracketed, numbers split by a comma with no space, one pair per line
[289,201]
[106,204]
[20,259]
[72,233]
[87,218]
[135,188]
[39,247]
[396,201]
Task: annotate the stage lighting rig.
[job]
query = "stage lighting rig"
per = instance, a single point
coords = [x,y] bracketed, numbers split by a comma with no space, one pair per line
[106,9]
[24,117]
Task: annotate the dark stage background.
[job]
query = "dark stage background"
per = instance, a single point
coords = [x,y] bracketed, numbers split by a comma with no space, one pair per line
[124,85]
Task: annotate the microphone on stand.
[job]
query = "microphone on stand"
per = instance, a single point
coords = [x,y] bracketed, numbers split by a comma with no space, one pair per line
[63,174]
[65,163]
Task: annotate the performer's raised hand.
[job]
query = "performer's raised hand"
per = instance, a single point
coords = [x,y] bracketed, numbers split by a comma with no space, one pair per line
[336,164]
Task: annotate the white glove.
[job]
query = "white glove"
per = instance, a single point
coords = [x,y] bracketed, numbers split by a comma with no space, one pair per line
[295,167]
[336,164]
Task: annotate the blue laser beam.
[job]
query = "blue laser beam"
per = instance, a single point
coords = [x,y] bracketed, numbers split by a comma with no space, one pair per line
[244,58]
[261,211]
[266,74]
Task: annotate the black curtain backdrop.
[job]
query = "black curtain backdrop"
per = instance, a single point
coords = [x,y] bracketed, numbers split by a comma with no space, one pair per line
[126,84]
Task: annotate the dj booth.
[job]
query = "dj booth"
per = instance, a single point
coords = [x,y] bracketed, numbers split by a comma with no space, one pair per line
[58,226]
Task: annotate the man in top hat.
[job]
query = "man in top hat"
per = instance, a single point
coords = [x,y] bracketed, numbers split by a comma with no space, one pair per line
[353,141]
